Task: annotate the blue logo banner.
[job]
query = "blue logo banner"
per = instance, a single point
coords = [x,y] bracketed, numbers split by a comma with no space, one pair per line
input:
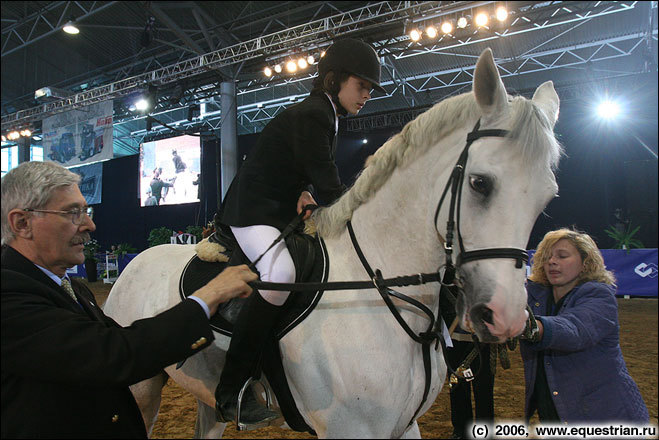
[91,181]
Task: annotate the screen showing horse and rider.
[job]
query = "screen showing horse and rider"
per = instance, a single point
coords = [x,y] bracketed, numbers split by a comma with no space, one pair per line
[170,171]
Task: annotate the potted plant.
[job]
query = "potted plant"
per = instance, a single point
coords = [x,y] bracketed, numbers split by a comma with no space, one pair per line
[91,247]
[160,235]
[624,237]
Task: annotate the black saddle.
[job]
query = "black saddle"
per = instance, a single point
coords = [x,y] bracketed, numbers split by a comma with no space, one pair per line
[311,265]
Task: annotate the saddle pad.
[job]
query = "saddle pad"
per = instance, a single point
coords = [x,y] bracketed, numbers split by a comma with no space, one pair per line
[311,264]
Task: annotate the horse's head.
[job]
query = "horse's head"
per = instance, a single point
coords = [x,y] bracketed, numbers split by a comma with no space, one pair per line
[507,182]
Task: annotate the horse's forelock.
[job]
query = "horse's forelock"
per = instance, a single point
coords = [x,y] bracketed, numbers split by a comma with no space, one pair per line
[530,127]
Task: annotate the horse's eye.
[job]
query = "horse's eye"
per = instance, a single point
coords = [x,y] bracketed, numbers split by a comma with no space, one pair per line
[480,184]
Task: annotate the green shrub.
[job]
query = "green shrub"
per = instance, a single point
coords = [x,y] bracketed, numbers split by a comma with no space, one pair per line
[161,235]
[197,231]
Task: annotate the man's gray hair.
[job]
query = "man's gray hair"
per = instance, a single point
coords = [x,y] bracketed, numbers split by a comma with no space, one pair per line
[31,185]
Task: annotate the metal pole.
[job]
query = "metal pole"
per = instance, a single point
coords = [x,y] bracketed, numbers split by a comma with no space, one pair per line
[23,149]
[228,138]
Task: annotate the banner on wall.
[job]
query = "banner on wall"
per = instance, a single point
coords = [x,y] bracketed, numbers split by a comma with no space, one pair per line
[91,181]
[635,270]
[80,136]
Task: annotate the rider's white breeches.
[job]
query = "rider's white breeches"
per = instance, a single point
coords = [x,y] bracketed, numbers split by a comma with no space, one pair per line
[276,266]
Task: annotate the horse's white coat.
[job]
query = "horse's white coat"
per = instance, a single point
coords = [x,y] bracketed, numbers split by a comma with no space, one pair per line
[353,371]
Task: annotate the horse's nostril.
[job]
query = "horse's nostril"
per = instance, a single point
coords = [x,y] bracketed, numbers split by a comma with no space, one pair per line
[481,311]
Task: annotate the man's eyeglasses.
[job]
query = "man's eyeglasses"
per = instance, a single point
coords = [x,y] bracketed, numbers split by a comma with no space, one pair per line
[77,214]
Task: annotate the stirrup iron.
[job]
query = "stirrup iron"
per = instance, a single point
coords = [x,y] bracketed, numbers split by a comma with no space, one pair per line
[240,426]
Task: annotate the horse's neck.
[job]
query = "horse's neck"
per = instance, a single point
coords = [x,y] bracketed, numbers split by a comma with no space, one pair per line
[395,228]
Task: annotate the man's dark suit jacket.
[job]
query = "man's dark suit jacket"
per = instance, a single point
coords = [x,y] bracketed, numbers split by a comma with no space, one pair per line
[66,367]
[295,150]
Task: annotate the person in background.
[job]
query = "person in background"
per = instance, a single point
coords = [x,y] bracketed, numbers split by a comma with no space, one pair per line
[293,157]
[574,369]
[157,185]
[462,415]
[66,366]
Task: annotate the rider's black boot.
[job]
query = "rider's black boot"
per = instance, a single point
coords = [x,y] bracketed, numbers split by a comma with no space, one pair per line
[253,325]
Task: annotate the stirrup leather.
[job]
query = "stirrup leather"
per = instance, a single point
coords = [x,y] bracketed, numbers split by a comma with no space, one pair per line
[240,426]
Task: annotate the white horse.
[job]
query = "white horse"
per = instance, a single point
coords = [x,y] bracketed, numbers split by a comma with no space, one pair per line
[351,368]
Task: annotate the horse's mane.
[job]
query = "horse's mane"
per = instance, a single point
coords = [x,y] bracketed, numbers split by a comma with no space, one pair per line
[529,124]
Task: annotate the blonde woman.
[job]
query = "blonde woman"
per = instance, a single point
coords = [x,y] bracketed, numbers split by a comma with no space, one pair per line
[576,372]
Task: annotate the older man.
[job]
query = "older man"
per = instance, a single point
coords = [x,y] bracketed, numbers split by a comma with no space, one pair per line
[66,366]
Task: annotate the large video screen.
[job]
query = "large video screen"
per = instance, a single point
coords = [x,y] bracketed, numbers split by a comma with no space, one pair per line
[170,171]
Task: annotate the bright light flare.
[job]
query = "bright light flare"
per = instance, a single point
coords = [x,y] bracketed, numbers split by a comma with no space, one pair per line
[311,59]
[447,27]
[608,110]
[141,104]
[502,13]
[431,32]
[415,35]
[302,63]
[462,22]
[278,68]
[267,72]
[70,28]
[481,19]
[291,66]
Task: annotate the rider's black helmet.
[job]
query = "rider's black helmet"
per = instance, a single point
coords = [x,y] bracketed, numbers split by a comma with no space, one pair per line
[355,57]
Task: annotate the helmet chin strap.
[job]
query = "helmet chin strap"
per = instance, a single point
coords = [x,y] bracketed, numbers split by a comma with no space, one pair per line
[340,110]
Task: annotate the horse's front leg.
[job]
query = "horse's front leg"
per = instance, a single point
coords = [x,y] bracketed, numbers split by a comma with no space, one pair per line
[412,431]
[147,394]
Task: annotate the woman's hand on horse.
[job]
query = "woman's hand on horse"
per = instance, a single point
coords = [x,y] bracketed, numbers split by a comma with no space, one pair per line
[230,283]
[305,199]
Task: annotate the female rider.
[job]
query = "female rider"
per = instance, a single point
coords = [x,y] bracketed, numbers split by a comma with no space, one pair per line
[293,158]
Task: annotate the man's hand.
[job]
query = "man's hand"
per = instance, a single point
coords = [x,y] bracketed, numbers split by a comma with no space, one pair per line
[305,199]
[230,283]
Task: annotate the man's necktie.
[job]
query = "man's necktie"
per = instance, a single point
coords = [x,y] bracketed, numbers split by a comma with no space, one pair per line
[66,285]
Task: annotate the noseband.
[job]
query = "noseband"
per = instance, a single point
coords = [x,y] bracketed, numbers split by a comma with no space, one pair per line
[455,184]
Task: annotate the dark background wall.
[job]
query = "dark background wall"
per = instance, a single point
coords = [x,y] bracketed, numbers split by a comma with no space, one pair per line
[605,168]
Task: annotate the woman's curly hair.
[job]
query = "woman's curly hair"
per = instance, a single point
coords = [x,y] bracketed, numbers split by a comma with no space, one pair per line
[594,268]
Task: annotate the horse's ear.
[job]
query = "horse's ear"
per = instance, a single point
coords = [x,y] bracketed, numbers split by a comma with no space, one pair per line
[488,88]
[546,98]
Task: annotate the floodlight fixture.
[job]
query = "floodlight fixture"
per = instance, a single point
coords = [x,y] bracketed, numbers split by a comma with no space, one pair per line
[415,35]
[431,31]
[311,59]
[267,72]
[462,22]
[608,110]
[71,28]
[291,67]
[447,27]
[501,13]
[278,68]
[302,63]
[481,19]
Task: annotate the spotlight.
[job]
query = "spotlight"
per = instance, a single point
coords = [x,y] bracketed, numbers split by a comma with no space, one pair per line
[447,27]
[364,141]
[415,35]
[608,110]
[291,66]
[26,133]
[302,63]
[141,104]
[267,72]
[502,13]
[322,54]
[462,22]
[431,31]
[311,59]
[278,68]
[71,28]
[13,135]
[481,19]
